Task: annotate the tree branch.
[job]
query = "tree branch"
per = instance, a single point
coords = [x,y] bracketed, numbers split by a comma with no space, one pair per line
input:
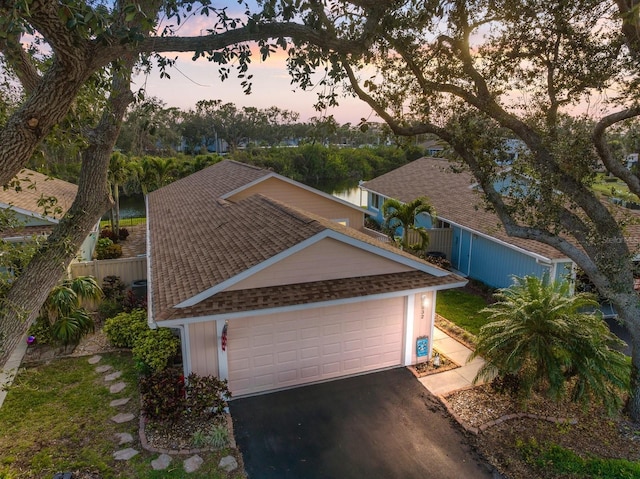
[21,63]
[602,147]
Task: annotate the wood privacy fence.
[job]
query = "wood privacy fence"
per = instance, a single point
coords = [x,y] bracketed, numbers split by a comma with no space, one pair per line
[439,240]
[128,269]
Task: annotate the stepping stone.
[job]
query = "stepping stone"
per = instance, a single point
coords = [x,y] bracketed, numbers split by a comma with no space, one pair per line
[161,463]
[123,417]
[117,387]
[113,376]
[228,463]
[104,368]
[123,438]
[119,402]
[95,359]
[192,464]
[125,454]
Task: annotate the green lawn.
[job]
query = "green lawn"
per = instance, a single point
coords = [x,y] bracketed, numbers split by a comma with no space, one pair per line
[462,308]
[613,188]
[56,418]
[124,222]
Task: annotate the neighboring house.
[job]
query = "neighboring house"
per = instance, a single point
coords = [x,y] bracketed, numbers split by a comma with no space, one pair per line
[270,295]
[471,237]
[39,202]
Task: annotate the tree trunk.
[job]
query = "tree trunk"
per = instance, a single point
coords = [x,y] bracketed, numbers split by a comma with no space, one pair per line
[45,107]
[50,262]
[628,308]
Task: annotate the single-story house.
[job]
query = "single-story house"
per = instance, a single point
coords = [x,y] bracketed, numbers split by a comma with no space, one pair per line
[273,294]
[471,237]
[38,202]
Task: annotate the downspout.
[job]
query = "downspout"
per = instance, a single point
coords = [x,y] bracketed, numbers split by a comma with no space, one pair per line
[150,321]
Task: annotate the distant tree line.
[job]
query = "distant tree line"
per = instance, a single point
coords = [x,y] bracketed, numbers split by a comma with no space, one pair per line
[158,145]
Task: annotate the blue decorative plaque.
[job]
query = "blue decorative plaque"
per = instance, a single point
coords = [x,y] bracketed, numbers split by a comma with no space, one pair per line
[422,346]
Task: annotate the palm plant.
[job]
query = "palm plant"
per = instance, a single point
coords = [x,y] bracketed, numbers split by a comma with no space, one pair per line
[64,308]
[542,335]
[403,215]
[119,172]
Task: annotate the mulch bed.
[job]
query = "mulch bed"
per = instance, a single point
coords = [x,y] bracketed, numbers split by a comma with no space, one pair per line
[427,368]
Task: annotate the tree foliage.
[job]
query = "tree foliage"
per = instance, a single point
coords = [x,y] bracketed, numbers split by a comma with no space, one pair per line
[398,215]
[540,334]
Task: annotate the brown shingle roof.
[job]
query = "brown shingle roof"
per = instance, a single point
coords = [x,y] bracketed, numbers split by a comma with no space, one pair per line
[454,198]
[311,292]
[198,241]
[32,186]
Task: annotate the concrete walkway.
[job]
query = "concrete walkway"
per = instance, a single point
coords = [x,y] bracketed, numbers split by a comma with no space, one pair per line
[445,382]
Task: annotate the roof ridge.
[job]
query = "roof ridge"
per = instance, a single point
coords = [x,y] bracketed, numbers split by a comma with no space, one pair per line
[289,210]
[253,167]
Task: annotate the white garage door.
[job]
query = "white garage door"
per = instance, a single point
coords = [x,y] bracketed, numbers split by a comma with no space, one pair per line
[284,350]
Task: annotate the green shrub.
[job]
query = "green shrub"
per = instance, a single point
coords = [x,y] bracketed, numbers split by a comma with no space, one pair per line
[107,249]
[70,328]
[124,329]
[113,288]
[109,308]
[155,348]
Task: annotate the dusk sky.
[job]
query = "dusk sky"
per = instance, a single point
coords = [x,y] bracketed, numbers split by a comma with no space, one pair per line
[194,81]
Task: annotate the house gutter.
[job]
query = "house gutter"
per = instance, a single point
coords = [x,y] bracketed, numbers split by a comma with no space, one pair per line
[150,321]
[171,323]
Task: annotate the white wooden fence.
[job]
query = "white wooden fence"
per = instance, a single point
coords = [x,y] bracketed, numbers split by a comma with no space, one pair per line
[128,269]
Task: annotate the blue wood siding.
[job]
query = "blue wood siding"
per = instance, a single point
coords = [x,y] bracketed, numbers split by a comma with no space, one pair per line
[495,264]
[460,250]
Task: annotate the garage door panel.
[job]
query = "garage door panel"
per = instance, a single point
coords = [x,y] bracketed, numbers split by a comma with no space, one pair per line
[276,351]
[331,368]
[286,336]
[288,376]
[310,353]
[331,329]
[309,372]
[352,345]
[310,333]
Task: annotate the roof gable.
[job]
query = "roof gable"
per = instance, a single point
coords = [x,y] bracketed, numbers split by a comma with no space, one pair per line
[269,184]
[200,245]
[455,199]
[323,260]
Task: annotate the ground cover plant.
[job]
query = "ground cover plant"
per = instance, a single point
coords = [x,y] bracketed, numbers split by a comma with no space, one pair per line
[56,417]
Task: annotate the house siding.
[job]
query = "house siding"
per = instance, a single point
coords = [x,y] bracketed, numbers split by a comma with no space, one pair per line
[305,200]
[203,348]
[327,259]
[490,262]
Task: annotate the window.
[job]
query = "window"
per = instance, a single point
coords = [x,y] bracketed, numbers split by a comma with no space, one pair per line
[376,201]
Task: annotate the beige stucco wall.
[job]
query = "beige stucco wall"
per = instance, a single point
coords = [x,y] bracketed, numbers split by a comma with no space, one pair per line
[203,341]
[305,200]
[326,259]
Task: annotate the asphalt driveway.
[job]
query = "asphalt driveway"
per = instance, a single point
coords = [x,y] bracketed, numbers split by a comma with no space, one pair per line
[381,425]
